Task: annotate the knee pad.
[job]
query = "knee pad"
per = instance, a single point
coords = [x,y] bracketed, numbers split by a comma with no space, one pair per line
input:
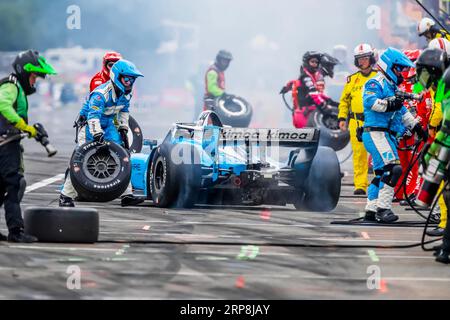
[392,173]
[22,188]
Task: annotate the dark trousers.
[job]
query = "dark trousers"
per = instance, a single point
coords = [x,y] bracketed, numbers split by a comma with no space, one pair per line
[10,180]
[446,242]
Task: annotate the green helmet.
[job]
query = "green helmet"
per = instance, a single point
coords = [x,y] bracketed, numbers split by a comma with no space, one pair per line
[29,62]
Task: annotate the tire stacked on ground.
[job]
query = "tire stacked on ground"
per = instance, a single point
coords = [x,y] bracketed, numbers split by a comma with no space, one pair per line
[63,225]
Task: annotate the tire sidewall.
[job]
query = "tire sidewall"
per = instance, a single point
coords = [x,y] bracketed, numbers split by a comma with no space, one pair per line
[335,139]
[228,118]
[96,191]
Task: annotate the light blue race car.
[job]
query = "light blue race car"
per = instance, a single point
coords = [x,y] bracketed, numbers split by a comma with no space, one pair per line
[208,163]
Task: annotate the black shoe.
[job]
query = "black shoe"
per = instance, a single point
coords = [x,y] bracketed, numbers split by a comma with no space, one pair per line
[3,237]
[370,216]
[412,199]
[437,232]
[442,257]
[435,218]
[21,237]
[130,200]
[386,216]
[66,202]
[359,192]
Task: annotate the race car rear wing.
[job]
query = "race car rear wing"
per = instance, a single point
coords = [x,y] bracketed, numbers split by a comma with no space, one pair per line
[281,137]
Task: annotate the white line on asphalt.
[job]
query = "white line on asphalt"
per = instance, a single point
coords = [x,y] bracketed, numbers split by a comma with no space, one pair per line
[60,248]
[44,183]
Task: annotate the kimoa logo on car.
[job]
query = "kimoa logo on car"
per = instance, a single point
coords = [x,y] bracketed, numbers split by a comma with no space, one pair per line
[287,135]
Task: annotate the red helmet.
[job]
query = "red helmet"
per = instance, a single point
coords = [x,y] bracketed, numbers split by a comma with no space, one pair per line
[413,55]
[111,56]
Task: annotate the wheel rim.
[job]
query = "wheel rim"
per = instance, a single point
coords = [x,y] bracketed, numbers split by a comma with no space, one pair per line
[330,122]
[236,108]
[159,176]
[101,168]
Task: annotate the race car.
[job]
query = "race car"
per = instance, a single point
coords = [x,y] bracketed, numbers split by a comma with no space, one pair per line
[208,163]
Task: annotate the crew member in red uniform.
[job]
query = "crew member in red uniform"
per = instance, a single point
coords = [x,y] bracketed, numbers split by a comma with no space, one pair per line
[101,77]
[421,109]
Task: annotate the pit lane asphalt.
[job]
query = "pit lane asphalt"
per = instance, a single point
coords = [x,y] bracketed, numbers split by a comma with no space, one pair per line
[214,252]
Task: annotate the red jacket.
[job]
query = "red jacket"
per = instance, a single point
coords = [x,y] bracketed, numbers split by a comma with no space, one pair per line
[99,79]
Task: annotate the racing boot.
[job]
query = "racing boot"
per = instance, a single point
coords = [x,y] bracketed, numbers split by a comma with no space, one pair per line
[437,232]
[66,202]
[385,216]
[130,200]
[359,192]
[443,257]
[19,236]
[370,216]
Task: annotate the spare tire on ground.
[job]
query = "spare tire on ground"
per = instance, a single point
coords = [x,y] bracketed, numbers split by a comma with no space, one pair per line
[100,172]
[135,137]
[235,112]
[63,225]
[330,134]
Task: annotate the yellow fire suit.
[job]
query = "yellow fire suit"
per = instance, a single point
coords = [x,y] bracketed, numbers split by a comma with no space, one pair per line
[351,107]
[435,121]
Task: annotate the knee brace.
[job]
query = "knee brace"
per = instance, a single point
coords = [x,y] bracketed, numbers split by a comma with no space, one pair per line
[392,173]
[376,181]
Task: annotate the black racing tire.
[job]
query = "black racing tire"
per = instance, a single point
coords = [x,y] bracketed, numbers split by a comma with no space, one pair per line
[323,186]
[62,225]
[189,176]
[163,185]
[330,134]
[100,173]
[174,184]
[135,136]
[237,113]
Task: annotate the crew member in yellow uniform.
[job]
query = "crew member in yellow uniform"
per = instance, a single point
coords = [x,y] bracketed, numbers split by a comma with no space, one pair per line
[427,28]
[434,122]
[351,107]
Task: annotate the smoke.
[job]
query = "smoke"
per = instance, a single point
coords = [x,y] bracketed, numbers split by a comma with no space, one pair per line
[172,41]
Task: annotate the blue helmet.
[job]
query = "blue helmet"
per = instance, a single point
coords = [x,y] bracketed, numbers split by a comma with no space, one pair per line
[394,59]
[123,69]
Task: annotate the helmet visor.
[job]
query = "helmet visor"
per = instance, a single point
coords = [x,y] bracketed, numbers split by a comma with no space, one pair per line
[424,77]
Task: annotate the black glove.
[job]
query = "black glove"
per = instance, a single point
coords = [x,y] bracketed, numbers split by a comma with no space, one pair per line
[422,134]
[42,134]
[285,90]
[99,137]
[81,121]
[394,104]
[124,135]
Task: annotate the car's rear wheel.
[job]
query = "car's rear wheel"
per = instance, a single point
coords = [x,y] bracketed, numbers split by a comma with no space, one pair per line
[322,188]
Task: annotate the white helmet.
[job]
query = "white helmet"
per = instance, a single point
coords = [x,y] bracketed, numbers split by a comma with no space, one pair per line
[440,43]
[364,50]
[425,25]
